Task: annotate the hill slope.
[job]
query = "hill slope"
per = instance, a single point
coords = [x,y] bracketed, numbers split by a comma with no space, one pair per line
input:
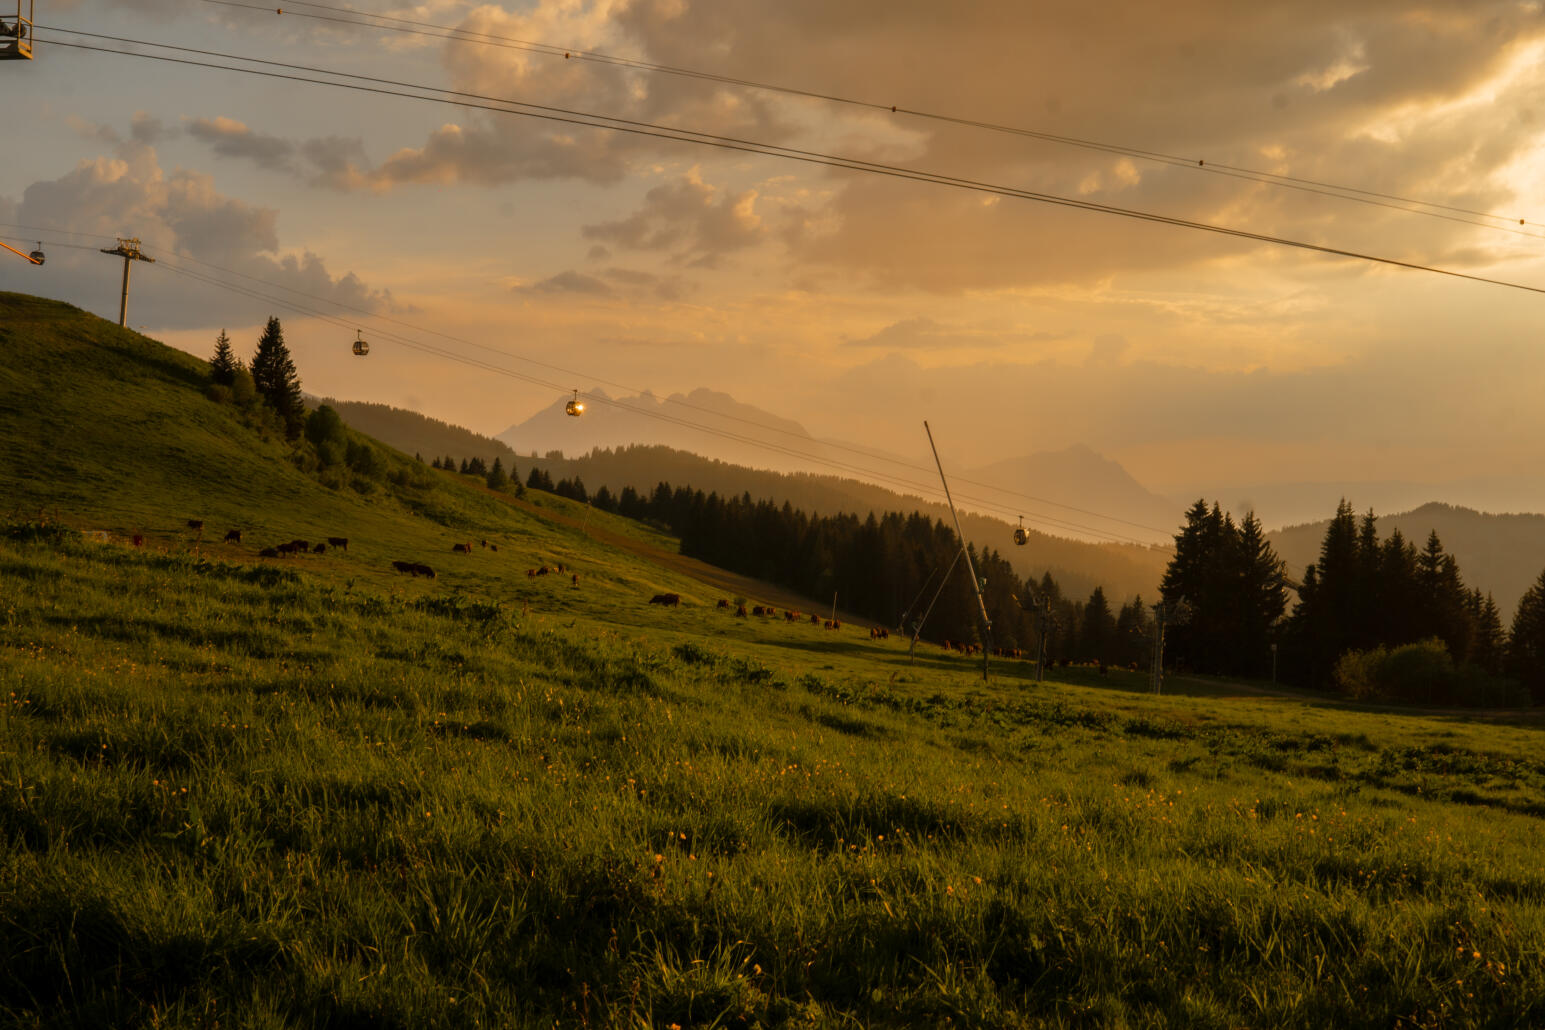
[1078,566]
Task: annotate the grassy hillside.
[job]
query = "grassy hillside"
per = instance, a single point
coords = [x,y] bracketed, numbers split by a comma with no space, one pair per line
[241,792]
[1123,570]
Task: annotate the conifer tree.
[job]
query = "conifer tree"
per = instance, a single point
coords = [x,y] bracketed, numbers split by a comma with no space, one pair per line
[497,480]
[222,367]
[1526,644]
[277,382]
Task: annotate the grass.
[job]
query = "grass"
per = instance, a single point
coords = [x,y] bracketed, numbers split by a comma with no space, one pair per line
[237,792]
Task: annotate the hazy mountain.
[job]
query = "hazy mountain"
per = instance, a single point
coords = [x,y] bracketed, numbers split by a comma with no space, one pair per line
[1050,481]
[1501,554]
[1289,504]
[672,422]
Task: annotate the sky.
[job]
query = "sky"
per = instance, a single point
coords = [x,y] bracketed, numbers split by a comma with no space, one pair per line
[857,304]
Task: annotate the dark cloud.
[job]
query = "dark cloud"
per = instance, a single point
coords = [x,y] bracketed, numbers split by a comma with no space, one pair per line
[568,282]
[230,138]
[692,220]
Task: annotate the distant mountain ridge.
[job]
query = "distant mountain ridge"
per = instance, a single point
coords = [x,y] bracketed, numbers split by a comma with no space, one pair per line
[1500,554]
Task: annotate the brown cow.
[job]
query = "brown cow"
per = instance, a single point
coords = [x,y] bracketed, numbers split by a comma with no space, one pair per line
[758,610]
[723,603]
[815,620]
[301,545]
[423,570]
[576,579]
[461,548]
[197,524]
[139,540]
[340,542]
[319,549]
[493,547]
[670,600]
[233,536]
[740,611]
[268,552]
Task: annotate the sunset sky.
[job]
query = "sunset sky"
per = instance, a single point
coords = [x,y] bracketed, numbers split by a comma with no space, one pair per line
[854,303]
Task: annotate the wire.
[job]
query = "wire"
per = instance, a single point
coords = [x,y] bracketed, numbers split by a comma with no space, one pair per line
[573,117]
[923,489]
[1339,191]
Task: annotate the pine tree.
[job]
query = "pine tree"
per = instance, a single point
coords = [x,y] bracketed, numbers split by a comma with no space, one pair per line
[1526,644]
[497,480]
[222,367]
[1097,632]
[277,382]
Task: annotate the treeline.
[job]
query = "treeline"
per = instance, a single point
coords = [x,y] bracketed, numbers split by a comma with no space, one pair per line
[885,569]
[1376,619]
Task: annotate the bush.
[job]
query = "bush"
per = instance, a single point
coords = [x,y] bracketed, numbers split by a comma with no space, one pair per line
[218,393]
[1421,673]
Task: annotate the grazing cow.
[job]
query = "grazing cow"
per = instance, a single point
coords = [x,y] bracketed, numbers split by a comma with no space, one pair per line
[561,568]
[301,545]
[233,536]
[758,610]
[404,566]
[740,611]
[723,603]
[828,624]
[139,540]
[789,616]
[576,579]
[493,547]
[815,620]
[461,548]
[268,552]
[836,624]
[482,543]
[319,549]
[669,600]
[531,573]
[197,524]
[340,542]
[423,570]
[285,549]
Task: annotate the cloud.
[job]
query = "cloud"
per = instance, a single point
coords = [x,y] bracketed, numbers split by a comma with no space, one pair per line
[925,334]
[567,282]
[230,138]
[692,220]
[189,226]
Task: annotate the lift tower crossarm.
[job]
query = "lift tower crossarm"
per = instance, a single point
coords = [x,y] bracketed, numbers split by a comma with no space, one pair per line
[129,251]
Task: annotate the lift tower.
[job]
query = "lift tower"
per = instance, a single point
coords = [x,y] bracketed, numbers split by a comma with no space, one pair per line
[129,251]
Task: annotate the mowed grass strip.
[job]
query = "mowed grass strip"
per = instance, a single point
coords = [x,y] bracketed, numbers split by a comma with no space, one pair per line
[244,795]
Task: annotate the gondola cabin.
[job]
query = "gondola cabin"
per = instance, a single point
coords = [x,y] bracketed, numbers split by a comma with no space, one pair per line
[1020,536]
[16,33]
[361,348]
[37,255]
[575,407]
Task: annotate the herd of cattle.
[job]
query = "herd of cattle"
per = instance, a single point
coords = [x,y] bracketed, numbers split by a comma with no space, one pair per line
[416,569]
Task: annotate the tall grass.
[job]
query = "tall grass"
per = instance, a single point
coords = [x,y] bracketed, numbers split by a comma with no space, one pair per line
[239,797]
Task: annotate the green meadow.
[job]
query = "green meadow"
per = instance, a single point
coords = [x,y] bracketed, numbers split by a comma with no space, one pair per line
[238,791]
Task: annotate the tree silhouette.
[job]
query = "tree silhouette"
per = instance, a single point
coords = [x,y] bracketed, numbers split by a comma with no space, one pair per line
[277,382]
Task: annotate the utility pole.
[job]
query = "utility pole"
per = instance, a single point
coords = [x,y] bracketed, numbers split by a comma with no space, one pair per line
[1156,680]
[976,584]
[129,251]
